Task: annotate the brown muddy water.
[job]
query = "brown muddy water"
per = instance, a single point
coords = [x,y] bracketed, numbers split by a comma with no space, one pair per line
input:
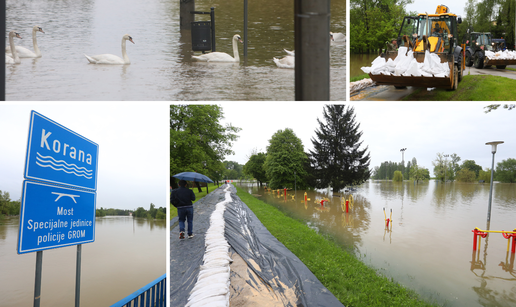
[127,254]
[356,61]
[428,247]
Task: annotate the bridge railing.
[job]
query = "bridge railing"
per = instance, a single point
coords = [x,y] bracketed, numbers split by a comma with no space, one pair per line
[151,295]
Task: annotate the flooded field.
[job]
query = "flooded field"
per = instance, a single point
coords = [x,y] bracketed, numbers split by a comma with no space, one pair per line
[161,65]
[428,246]
[356,61]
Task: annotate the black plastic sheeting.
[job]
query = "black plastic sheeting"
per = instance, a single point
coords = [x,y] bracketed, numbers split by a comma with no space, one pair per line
[254,243]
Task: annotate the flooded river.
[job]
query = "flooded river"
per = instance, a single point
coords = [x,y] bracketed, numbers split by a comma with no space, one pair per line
[126,255]
[428,246]
[161,66]
[356,61]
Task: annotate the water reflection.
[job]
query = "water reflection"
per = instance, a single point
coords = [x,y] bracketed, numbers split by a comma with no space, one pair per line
[427,246]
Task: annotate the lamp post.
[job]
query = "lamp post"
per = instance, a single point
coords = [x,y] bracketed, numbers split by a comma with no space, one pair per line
[402,155]
[445,166]
[493,151]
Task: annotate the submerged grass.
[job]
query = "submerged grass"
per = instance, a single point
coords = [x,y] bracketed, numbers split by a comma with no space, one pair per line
[350,280]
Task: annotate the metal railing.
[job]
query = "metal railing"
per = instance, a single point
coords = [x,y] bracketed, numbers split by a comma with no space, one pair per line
[153,294]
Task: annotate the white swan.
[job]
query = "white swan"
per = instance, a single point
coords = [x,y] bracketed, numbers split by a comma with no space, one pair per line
[221,56]
[14,58]
[287,61]
[338,37]
[292,53]
[111,58]
[27,53]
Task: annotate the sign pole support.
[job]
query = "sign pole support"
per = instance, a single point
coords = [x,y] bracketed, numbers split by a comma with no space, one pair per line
[78,277]
[37,285]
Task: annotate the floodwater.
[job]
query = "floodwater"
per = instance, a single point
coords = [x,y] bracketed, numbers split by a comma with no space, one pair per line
[360,60]
[161,66]
[428,247]
[127,254]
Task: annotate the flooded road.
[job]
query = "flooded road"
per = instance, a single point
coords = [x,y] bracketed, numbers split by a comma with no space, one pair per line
[161,66]
[428,246]
[127,254]
[356,61]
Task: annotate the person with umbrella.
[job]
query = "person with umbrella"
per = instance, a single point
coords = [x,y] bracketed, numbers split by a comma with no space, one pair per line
[182,198]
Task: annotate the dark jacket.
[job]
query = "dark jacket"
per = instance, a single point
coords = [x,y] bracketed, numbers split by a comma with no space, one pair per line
[182,197]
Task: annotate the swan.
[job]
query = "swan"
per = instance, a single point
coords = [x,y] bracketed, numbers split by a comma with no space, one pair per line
[221,56]
[338,37]
[14,58]
[26,53]
[286,62]
[292,53]
[111,58]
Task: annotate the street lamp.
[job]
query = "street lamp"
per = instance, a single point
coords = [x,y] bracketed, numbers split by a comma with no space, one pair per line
[445,166]
[493,151]
[402,155]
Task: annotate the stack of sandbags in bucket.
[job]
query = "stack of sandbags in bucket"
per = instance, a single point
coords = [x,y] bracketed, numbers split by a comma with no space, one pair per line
[406,65]
[501,55]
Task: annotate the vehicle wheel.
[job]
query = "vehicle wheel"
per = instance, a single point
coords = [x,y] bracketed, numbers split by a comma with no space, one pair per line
[459,65]
[469,60]
[400,87]
[501,66]
[478,62]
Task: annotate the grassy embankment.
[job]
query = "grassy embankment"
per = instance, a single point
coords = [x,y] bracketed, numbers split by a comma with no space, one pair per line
[198,195]
[358,78]
[350,280]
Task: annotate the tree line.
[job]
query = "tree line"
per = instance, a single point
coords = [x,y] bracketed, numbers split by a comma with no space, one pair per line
[198,142]
[8,206]
[153,212]
[447,168]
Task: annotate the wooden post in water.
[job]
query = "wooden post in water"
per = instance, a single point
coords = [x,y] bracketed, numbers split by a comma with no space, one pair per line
[185,17]
[312,45]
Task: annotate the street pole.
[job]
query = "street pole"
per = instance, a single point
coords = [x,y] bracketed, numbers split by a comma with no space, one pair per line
[493,151]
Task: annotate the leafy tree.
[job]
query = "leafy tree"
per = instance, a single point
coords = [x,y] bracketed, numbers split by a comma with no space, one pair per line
[493,107]
[444,169]
[337,158]
[398,176]
[466,175]
[285,156]
[232,170]
[485,175]
[140,212]
[198,142]
[472,166]
[418,173]
[255,167]
[506,171]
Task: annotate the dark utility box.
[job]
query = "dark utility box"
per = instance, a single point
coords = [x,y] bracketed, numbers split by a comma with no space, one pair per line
[201,35]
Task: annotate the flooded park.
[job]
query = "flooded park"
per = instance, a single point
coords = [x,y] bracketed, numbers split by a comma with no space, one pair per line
[428,245]
[126,255]
[161,66]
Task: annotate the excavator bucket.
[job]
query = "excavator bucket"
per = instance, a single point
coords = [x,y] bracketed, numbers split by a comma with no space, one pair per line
[418,81]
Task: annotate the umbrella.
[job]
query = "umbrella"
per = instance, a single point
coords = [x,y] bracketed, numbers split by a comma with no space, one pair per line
[193,176]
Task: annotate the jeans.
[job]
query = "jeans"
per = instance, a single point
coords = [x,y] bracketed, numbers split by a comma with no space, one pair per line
[185,214]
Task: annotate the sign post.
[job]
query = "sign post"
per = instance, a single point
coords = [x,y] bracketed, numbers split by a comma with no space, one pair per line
[59,193]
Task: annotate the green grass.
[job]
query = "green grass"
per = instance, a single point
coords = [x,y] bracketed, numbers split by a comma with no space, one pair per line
[478,88]
[350,280]
[358,78]
[510,68]
[198,195]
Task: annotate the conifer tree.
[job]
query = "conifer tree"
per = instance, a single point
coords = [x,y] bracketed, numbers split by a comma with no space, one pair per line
[337,158]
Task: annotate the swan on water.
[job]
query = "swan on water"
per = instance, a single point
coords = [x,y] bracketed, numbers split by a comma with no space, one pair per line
[14,58]
[27,53]
[221,56]
[338,37]
[286,62]
[111,58]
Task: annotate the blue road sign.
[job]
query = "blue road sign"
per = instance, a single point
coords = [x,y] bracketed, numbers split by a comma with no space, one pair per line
[53,216]
[58,155]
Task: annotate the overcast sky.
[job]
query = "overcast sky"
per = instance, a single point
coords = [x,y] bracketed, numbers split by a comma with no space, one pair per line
[420,6]
[425,129]
[133,141]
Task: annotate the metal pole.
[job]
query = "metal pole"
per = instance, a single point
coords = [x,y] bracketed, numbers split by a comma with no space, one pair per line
[185,15]
[2,69]
[212,17]
[245,28]
[37,285]
[490,191]
[312,45]
[78,277]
